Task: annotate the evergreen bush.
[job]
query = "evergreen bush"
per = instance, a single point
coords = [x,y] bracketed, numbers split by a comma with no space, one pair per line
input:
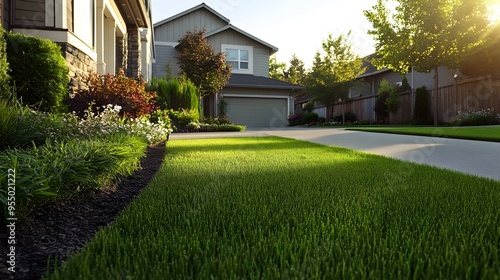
[422,110]
[38,70]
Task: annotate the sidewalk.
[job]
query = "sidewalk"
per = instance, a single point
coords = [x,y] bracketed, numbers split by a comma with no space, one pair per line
[473,157]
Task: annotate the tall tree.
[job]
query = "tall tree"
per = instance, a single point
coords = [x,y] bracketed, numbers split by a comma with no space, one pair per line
[296,72]
[276,69]
[426,34]
[207,69]
[334,71]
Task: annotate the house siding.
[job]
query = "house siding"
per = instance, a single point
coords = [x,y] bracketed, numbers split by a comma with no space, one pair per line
[29,13]
[173,31]
[260,52]
[69,8]
[166,55]
[5,14]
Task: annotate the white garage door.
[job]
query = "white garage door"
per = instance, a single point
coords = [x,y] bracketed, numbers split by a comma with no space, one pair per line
[257,112]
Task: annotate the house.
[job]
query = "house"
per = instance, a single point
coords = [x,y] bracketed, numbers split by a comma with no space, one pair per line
[100,36]
[252,98]
[363,95]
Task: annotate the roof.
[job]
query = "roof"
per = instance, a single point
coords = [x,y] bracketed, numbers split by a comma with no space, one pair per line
[251,81]
[371,70]
[201,6]
[232,27]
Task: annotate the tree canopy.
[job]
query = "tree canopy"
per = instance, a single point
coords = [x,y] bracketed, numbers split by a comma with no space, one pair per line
[207,69]
[426,34]
[334,71]
[276,69]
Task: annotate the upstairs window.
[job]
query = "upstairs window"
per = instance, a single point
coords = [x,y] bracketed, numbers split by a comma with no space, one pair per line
[240,58]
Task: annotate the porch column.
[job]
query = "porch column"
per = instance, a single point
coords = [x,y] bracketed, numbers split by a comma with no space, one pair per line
[134,52]
[110,45]
[101,65]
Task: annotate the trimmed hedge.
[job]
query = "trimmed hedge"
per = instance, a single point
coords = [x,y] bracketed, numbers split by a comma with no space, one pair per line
[39,71]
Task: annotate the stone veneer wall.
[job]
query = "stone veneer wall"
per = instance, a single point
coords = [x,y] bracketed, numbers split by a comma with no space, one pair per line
[79,65]
[134,52]
[121,53]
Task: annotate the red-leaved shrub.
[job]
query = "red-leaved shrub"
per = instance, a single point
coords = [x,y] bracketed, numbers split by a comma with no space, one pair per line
[129,93]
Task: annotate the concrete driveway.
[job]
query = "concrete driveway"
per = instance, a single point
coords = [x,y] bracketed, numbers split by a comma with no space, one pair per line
[473,157]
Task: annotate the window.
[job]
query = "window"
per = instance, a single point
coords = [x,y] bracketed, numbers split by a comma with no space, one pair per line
[239,57]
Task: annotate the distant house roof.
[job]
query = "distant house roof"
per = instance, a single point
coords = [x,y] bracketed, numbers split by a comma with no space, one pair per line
[232,27]
[201,6]
[371,70]
[251,81]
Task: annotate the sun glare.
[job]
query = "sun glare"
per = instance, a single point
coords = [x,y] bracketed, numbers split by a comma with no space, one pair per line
[494,11]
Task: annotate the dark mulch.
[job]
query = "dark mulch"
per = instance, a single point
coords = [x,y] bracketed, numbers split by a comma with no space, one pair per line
[55,229]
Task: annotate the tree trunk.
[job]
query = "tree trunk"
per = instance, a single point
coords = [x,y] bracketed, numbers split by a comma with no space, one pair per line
[436,90]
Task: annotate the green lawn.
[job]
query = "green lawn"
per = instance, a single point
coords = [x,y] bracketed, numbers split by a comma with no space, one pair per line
[275,208]
[484,133]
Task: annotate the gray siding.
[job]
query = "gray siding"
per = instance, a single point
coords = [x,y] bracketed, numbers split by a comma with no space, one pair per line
[260,52]
[29,13]
[173,31]
[165,55]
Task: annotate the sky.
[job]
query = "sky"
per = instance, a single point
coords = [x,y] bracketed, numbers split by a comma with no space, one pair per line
[293,26]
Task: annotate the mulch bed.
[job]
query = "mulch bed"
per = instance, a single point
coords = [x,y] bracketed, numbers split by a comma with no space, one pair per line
[53,230]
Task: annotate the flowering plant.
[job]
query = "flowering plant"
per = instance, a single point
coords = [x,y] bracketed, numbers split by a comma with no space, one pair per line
[478,117]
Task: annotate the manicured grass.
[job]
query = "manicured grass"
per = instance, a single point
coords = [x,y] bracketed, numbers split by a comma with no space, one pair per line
[275,208]
[484,133]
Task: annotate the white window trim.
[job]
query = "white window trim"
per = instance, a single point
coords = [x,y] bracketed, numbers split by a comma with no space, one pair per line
[250,57]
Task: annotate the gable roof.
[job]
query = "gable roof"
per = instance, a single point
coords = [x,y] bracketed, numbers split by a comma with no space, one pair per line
[371,70]
[201,6]
[232,27]
[251,81]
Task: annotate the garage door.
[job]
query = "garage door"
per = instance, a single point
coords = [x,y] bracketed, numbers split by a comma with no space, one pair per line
[257,112]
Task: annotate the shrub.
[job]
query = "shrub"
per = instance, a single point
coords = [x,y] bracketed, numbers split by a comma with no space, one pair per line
[295,119]
[220,120]
[4,67]
[308,118]
[422,110]
[381,106]
[205,127]
[177,93]
[479,117]
[350,117]
[129,93]
[38,70]
[183,117]
[309,107]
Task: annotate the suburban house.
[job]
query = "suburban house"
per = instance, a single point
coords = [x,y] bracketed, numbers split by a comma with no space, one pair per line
[252,98]
[99,36]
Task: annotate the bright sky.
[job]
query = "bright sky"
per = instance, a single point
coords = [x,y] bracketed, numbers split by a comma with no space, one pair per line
[294,26]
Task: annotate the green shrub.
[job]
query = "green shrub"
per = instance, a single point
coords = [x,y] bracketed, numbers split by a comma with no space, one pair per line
[220,120]
[183,117]
[479,117]
[308,118]
[129,93]
[39,71]
[4,67]
[422,110]
[350,117]
[205,127]
[309,107]
[176,93]
[381,109]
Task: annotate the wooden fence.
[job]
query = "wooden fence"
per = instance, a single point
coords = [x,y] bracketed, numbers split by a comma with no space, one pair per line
[467,94]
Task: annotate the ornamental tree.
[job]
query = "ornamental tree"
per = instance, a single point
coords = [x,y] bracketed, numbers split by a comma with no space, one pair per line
[334,71]
[426,34]
[197,59]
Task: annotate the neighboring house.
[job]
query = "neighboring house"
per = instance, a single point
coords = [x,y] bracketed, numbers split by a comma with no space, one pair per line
[367,89]
[252,98]
[99,36]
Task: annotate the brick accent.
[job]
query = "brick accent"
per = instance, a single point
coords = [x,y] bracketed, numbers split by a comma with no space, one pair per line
[134,52]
